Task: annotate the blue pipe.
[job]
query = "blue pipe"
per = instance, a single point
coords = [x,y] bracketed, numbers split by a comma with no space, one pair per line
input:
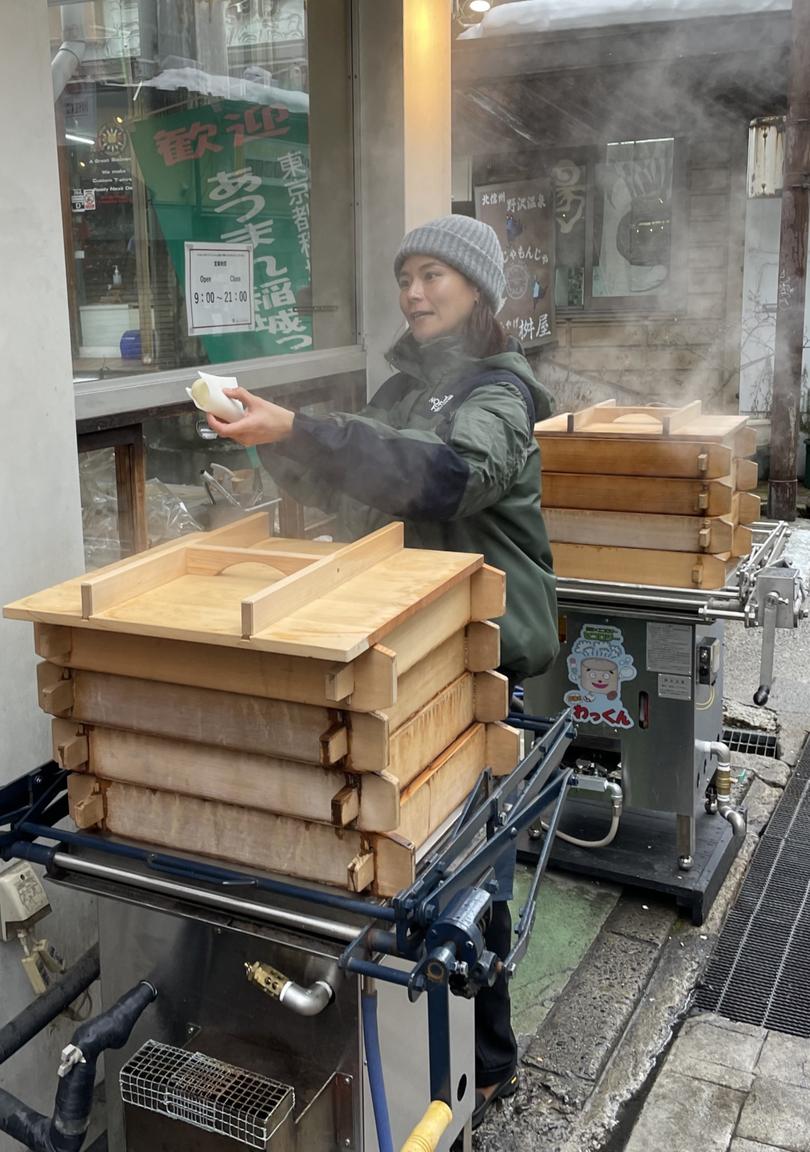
[378,971]
[376,1082]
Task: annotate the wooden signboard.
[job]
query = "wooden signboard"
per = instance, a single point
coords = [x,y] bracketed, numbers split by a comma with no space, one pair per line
[522,215]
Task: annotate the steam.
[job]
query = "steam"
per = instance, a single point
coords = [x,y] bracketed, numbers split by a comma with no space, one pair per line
[570,100]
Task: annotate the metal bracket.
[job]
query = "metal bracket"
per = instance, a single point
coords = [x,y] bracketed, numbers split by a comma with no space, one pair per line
[525,923]
[30,797]
[342,1094]
[769,617]
[778,603]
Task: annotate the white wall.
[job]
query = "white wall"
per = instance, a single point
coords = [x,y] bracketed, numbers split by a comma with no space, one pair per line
[40,515]
[761,271]
[761,268]
[404,115]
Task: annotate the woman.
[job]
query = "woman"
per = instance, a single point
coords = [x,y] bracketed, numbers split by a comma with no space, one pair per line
[447,446]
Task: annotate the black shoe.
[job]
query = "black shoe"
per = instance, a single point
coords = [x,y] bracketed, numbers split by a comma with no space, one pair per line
[507,1087]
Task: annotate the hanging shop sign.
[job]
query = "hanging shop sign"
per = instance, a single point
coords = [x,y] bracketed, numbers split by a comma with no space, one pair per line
[233,173]
[219,288]
[522,214]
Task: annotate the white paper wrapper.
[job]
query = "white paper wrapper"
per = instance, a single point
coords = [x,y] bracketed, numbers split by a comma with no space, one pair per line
[207,395]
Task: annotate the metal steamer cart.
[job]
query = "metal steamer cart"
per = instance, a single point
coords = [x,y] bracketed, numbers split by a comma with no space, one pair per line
[641,668]
[292,1016]
[286,1015]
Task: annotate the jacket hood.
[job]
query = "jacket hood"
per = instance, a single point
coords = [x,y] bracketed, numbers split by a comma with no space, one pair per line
[513,360]
[442,362]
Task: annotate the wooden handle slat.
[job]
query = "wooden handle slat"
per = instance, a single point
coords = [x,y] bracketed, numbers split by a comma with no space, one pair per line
[207,559]
[286,596]
[142,574]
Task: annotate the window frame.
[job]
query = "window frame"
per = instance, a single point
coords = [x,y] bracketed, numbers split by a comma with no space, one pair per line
[102,396]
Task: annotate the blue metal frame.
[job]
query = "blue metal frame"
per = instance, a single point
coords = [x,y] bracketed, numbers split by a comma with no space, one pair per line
[446,903]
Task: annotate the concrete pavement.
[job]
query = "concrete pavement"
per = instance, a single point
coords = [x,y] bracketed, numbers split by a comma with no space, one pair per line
[731,1087]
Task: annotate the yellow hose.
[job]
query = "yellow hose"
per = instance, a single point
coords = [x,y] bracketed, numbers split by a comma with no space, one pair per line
[430,1129]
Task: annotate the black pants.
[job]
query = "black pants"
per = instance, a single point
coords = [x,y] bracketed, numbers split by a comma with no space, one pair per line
[495,1045]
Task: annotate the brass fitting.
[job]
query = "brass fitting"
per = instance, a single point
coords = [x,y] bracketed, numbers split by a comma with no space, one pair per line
[270,980]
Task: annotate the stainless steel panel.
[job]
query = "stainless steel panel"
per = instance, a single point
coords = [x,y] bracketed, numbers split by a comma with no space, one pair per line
[660,768]
[404,1045]
[206,1004]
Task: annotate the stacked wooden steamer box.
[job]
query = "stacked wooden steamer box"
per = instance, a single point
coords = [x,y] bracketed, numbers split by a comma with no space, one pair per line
[312,709]
[648,495]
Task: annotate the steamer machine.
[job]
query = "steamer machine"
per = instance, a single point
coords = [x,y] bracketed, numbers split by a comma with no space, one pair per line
[241,1009]
[641,668]
[286,1016]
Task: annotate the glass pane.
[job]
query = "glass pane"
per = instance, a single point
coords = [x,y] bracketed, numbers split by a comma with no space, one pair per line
[633,219]
[201,227]
[570,191]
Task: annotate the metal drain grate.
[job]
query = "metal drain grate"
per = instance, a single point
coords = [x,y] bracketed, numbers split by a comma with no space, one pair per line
[758,972]
[206,1093]
[751,740]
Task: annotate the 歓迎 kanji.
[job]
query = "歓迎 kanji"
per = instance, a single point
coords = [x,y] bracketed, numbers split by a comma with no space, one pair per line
[190,143]
[258,122]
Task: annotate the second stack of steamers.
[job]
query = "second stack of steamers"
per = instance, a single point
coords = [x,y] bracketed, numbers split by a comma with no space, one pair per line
[647,495]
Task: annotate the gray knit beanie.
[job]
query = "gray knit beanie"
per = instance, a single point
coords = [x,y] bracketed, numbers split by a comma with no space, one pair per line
[468,245]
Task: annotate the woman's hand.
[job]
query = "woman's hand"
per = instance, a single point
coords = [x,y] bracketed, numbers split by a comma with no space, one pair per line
[262,422]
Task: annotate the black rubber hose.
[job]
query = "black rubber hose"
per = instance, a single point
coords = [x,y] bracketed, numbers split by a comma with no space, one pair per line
[23,1123]
[40,1013]
[74,1096]
[66,1130]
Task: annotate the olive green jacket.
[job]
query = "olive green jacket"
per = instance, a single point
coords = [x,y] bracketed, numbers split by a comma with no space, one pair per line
[446,445]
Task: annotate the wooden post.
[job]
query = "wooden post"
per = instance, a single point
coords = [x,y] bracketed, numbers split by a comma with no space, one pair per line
[792,266]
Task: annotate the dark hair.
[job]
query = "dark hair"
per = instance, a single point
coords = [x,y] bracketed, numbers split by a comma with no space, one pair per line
[483,333]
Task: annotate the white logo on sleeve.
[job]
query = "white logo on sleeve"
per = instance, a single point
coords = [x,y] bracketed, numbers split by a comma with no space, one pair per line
[437,404]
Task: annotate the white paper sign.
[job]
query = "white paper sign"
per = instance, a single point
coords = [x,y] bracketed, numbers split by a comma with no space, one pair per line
[219,288]
[670,648]
[672,687]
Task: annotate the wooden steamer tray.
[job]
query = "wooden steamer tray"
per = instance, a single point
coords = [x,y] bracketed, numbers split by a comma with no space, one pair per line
[317,710]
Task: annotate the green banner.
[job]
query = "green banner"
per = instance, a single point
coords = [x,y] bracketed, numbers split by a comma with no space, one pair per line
[234,172]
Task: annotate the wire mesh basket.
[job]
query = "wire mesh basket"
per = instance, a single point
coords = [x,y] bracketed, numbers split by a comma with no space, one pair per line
[206,1093]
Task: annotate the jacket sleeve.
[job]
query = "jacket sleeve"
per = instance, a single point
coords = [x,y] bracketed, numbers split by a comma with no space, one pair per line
[418,475]
[303,481]
[355,519]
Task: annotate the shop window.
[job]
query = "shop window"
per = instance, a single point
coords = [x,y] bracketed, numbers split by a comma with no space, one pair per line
[620,225]
[206,175]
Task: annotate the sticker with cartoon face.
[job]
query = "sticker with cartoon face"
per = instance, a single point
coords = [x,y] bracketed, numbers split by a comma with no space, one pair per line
[598,665]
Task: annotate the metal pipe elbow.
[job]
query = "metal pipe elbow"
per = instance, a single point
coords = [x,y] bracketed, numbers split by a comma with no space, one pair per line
[614,791]
[736,819]
[306,1001]
[721,752]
